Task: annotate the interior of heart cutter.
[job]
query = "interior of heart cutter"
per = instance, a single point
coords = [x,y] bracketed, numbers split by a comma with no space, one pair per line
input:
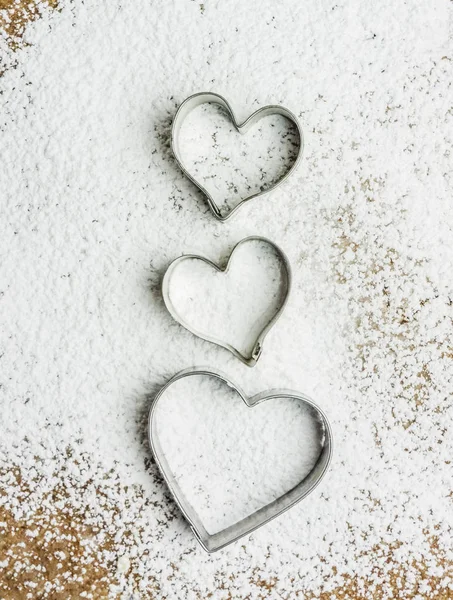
[231,307]
[230,166]
[228,460]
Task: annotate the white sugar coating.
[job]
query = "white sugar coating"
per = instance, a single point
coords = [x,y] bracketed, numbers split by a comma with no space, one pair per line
[246,297]
[231,165]
[228,459]
[93,211]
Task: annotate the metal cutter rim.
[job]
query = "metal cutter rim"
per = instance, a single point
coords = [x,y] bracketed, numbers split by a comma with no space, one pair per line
[248,359]
[210,97]
[217,541]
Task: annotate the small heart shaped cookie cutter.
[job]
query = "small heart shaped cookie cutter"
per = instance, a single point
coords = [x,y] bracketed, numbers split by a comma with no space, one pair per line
[208,97]
[250,359]
[211,542]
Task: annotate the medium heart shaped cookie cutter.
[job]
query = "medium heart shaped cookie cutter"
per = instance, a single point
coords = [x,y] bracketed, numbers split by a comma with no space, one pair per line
[250,359]
[208,97]
[216,541]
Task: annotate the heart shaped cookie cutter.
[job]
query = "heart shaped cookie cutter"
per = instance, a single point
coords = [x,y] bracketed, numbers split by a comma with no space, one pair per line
[250,359]
[208,97]
[213,542]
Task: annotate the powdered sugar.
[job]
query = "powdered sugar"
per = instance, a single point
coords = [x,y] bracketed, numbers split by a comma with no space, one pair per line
[93,211]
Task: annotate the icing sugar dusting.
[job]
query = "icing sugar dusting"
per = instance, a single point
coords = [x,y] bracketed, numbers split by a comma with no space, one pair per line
[93,211]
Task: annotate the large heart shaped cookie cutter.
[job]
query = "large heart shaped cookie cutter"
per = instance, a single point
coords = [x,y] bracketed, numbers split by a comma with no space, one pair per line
[251,358]
[212,542]
[207,97]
